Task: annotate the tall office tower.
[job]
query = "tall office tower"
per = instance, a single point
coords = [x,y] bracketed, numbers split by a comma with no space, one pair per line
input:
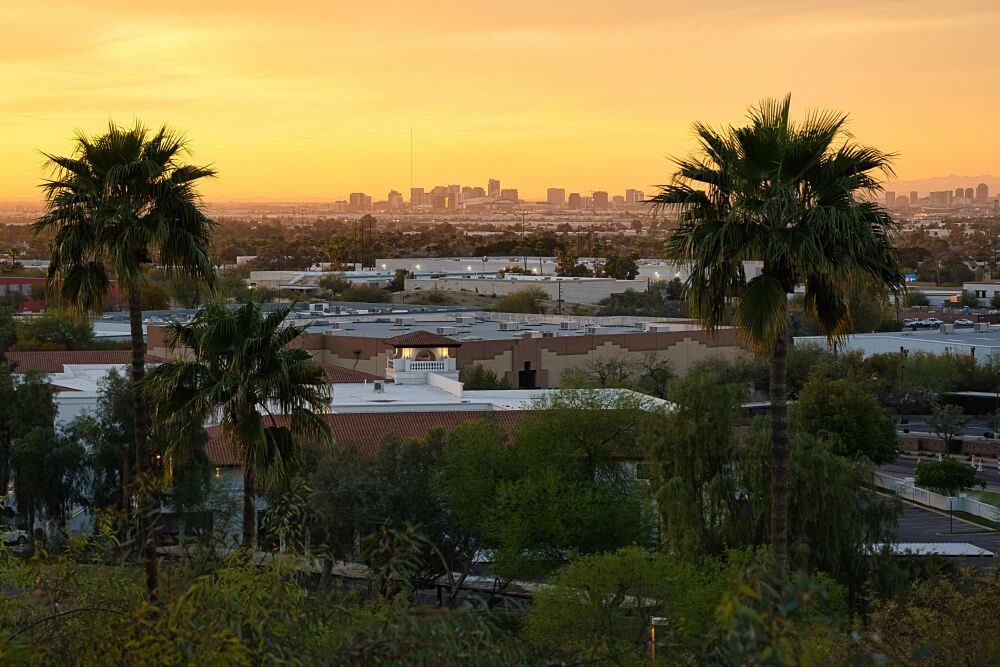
[890,199]
[640,196]
[575,201]
[359,201]
[454,191]
[982,193]
[395,199]
[493,190]
[970,194]
[618,201]
[914,198]
[416,196]
[556,196]
[509,194]
[477,192]
[630,197]
[467,192]
[959,192]
[588,202]
[600,199]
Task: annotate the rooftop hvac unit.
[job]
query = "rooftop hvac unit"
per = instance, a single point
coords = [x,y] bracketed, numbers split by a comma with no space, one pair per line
[379,386]
[947,328]
[656,327]
[509,326]
[334,326]
[399,321]
[548,334]
[446,331]
[465,320]
[569,325]
[982,327]
[591,329]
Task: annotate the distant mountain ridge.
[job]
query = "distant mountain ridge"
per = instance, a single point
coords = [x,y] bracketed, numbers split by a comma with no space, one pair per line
[935,183]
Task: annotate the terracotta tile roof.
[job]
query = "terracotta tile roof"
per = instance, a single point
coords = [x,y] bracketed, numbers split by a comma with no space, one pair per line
[53,361]
[340,375]
[365,431]
[422,339]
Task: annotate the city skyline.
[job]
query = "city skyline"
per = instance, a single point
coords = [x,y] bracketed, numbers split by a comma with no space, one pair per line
[288,109]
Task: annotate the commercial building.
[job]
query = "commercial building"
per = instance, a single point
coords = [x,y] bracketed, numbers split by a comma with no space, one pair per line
[530,351]
[359,201]
[509,194]
[493,188]
[556,197]
[981,341]
[575,201]
[599,200]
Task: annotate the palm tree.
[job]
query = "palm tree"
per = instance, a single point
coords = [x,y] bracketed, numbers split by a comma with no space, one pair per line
[242,369]
[121,202]
[799,198]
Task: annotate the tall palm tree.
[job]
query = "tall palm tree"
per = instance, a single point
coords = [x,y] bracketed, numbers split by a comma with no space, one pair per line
[240,368]
[799,197]
[121,202]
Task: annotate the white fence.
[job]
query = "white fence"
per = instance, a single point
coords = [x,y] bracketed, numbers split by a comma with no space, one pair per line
[906,489]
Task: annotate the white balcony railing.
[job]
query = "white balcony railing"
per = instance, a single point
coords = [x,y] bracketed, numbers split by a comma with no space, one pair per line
[427,365]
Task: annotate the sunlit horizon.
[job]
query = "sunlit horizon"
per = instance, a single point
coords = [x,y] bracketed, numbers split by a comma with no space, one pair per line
[294,102]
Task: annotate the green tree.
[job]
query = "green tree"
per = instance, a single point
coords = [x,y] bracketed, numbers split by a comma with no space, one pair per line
[619,267]
[845,415]
[244,369]
[8,330]
[186,292]
[794,196]
[476,462]
[525,300]
[49,474]
[916,299]
[398,282]
[948,422]
[692,455]
[26,402]
[568,265]
[124,200]
[366,294]
[995,299]
[333,284]
[478,376]
[946,476]
[968,299]
[56,330]
[573,495]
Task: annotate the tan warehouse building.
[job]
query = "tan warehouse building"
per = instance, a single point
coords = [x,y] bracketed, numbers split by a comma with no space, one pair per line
[530,351]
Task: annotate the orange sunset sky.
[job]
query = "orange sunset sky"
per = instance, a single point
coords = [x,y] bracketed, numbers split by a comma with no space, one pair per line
[296,99]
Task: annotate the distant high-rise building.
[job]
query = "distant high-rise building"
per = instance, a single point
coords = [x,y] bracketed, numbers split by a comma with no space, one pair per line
[477,192]
[982,193]
[395,199]
[575,201]
[588,202]
[970,194]
[359,201]
[556,196]
[618,200]
[633,197]
[416,196]
[890,199]
[509,194]
[454,191]
[599,199]
[493,190]
[959,192]
[941,198]
[914,198]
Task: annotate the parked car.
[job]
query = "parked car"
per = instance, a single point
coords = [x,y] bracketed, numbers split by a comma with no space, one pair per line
[911,322]
[15,536]
[964,323]
[933,322]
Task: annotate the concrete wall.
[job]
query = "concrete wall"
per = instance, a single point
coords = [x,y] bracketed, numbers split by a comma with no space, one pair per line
[569,290]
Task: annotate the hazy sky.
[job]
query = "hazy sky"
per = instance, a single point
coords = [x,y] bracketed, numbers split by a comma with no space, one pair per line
[316,99]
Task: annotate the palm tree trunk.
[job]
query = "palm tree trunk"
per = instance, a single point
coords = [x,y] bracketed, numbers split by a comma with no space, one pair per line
[779,449]
[148,510]
[249,509]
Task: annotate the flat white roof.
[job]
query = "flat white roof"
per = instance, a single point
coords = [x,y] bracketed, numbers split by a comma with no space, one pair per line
[937,549]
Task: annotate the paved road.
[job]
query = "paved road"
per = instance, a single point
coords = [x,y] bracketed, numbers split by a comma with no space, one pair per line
[920,525]
[906,466]
[918,424]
